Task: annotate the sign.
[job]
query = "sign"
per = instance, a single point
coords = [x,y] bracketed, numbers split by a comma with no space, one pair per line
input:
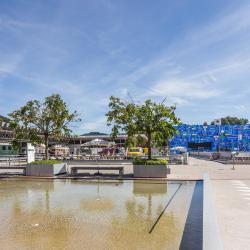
[30,153]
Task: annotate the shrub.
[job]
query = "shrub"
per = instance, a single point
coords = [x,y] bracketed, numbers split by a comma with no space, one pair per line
[46,162]
[139,161]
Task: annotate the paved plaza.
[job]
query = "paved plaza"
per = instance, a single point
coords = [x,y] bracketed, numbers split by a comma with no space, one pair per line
[231,199]
[216,171]
[226,203]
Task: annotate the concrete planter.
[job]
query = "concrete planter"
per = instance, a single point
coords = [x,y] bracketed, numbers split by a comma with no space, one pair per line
[46,170]
[151,171]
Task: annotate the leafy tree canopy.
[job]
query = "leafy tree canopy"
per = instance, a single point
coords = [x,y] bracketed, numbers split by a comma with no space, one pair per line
[154,120]
[4,123]
[38,121]
[232,121]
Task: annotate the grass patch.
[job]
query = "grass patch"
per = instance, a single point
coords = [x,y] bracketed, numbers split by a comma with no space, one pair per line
[46,162]
[139,161]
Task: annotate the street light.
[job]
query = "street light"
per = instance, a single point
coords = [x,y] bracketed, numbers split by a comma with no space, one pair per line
[234,153]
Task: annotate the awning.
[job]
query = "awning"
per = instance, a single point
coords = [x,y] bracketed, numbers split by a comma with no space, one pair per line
[97,143]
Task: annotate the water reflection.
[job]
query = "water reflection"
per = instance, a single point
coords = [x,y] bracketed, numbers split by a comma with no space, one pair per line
[86,215]
[145,188]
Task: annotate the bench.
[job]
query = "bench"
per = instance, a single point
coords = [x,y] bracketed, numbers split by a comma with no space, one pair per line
[75,169]
[22,168]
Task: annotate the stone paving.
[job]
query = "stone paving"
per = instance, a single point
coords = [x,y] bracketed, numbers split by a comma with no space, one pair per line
[230,197]
[216,171]
[231,200]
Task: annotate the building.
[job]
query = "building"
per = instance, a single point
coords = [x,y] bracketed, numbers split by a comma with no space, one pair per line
[5,132]
[75,142]
[59,150]
[7,149]
[213,137]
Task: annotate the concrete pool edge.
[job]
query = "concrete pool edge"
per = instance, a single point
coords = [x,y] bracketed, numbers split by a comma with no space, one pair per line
[211,234]
[192,237]
[21,177]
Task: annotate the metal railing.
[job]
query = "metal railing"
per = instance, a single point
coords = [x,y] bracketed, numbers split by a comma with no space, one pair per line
[13,160]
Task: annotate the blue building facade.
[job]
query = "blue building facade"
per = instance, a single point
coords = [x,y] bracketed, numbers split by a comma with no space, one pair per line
[213,137]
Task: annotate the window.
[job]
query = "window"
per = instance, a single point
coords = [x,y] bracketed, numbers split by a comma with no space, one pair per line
[9,148]
[4,147]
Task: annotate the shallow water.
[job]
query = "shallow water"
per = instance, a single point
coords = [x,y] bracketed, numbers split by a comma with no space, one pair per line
[67,214]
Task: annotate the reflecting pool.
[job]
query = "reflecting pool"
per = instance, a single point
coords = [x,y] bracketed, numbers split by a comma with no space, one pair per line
[80,214]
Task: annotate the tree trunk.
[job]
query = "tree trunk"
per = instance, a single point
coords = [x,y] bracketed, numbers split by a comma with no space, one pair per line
[46,142]
[149,147]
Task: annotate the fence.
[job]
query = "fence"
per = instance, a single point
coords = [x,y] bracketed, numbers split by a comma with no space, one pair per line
[13,160]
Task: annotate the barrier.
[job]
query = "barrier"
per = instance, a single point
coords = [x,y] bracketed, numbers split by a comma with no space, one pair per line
[12,160]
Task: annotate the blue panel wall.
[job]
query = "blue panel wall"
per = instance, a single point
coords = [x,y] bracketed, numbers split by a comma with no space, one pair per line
[224,137]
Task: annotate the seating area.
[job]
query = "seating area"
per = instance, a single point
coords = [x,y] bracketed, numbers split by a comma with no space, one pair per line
[74,170]
[14,168]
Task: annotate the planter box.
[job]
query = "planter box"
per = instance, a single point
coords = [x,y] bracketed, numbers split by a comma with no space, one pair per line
[46,170]
[151,171]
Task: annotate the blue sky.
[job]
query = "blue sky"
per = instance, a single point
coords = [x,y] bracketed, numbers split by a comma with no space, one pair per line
[195,53]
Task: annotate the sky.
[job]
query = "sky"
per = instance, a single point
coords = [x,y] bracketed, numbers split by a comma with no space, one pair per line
[194,53]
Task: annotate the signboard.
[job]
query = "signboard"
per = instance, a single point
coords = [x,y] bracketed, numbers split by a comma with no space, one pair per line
[30,153]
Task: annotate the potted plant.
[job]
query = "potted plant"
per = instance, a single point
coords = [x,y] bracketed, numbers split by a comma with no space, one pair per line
[154,122]
[39,121]
[154,168]
[46,168]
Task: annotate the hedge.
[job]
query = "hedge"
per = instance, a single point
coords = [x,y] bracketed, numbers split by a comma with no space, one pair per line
[139,161]
[46,162]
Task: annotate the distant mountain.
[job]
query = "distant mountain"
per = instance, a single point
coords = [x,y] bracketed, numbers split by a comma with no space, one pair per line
[93,134]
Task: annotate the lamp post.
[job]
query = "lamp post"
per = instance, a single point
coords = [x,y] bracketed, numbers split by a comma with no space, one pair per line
[234,153]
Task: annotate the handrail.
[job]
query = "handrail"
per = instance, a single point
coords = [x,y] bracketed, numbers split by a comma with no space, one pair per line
[13,160]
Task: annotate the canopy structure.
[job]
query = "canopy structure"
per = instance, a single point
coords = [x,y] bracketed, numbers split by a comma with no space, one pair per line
[179,148]
[97,143]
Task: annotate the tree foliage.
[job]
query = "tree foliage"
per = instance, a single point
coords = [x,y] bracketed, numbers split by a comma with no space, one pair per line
[37,121]
[136,141]
[155,121]
[4,122]
[232,121]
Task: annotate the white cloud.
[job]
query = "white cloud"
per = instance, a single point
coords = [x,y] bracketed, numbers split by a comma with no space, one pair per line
[180,89]
[95,125]
[227,25]
[9,63]
[188,71]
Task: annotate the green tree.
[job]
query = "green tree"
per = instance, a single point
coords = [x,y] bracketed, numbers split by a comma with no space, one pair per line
[38,121]
[155,121]
[233,121]
[136,140]
[4,122]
